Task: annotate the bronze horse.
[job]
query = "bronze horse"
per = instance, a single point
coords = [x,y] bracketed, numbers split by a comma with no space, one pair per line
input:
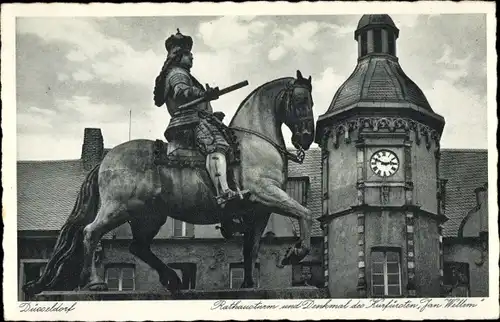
[131,188]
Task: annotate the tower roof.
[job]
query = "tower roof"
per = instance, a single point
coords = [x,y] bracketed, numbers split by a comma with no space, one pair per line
[368,21]
[375,19]
[378,79]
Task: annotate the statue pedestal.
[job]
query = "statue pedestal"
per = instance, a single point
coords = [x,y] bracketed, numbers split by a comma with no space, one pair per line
[231,294]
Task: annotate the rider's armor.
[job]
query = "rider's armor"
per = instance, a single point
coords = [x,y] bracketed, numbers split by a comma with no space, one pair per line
[198,126]
[181,88]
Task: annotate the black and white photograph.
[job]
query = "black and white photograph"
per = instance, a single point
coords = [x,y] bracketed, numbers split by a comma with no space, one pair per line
[200,154]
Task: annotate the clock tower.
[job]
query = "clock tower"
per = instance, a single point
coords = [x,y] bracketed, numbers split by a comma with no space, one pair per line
[382,212]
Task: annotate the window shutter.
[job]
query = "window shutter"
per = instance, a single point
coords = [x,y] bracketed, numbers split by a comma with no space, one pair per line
[189,230]
[297,189]
[177,228]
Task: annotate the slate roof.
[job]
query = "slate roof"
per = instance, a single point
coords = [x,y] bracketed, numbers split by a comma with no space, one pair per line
[465,171]
[378,79]
[47,189]
[46,192]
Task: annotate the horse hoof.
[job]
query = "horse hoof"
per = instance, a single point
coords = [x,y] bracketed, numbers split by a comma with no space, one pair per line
[173,288]
[96,287]
[247,285]
[294,256]
[172,285]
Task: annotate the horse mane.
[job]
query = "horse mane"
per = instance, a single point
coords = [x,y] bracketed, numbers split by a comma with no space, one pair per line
[252,93]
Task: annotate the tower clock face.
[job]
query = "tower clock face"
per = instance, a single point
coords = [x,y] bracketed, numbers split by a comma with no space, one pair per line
[384,163]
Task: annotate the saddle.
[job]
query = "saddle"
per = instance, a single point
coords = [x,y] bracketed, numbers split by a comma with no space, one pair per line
[181,150]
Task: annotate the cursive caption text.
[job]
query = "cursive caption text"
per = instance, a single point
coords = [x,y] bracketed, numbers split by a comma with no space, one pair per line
[420,305]
[46,308]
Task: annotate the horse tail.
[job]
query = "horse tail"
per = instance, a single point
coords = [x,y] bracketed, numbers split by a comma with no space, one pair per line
[62,272]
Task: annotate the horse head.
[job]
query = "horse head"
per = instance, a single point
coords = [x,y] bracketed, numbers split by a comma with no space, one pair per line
[298,111]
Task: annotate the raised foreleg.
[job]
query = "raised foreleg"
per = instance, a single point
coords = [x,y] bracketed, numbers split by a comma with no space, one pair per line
[278,201]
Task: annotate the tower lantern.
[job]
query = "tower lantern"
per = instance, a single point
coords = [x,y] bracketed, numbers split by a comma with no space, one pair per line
[376,34]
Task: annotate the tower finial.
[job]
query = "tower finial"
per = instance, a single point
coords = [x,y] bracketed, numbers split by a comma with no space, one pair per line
[178,31]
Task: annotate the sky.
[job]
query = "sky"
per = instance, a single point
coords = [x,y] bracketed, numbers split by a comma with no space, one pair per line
[73,73]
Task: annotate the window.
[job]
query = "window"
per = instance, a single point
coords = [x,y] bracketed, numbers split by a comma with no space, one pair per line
[364,43]
[297,189]
[183,229]
[377,40]
[237,274]
[308,274]
[386,273]
[187,273]
[456,279]
[31,271]
[120,277]
[391,42]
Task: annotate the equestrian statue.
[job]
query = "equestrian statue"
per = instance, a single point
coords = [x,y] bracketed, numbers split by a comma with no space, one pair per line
[207,173]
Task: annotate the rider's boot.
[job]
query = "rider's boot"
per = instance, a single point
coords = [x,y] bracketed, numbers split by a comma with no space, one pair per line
[217,168]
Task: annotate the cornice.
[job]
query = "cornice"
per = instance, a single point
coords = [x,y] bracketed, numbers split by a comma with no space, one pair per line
[422,131]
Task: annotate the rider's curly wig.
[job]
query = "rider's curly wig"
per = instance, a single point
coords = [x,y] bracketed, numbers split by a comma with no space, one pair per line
[173,57]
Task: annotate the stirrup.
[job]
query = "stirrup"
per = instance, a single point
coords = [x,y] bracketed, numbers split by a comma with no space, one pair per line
[226,196]
[229,195]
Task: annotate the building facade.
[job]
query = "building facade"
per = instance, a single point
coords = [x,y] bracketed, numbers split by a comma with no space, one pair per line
[395,214]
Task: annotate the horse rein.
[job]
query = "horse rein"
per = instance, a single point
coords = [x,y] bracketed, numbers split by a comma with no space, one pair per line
[297,158]
[300,155]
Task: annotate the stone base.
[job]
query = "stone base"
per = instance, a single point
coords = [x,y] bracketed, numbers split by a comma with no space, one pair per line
[242,294]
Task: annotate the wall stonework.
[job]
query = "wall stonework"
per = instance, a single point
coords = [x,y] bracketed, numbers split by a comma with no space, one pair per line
[424,175]
[342,178]
[427,257]
[343,256]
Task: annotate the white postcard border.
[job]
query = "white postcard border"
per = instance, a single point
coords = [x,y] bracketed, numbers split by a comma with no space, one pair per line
[194,310]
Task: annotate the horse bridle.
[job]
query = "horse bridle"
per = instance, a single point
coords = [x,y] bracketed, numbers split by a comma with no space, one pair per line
[286,94]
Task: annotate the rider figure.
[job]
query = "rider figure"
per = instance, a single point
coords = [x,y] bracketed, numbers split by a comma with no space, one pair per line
[176,86]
